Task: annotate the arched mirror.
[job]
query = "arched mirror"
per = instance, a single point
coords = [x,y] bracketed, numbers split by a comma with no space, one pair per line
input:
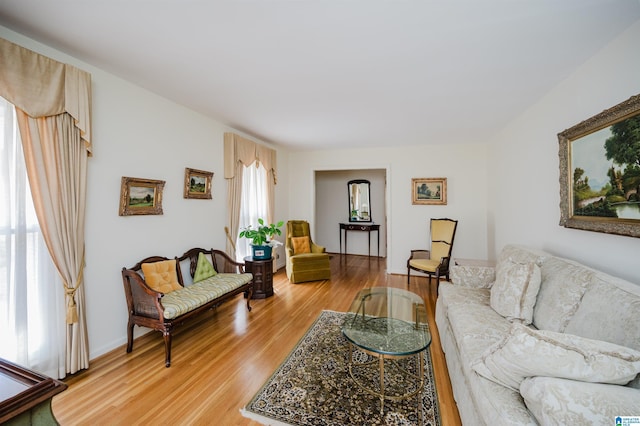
[359,201]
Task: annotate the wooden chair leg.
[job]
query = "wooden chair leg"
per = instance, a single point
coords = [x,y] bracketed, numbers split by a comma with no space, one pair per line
[167,347]
[130,336]
[249,296]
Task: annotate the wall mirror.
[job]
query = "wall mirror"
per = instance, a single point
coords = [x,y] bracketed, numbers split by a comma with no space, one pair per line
[359,200]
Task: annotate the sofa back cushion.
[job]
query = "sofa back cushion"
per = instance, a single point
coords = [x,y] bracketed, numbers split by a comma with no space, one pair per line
[609,311]
[562,287]
[204,268]
[161,276]
[301,245]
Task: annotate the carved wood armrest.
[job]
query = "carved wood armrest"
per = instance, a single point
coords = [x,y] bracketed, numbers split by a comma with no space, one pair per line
[141,299]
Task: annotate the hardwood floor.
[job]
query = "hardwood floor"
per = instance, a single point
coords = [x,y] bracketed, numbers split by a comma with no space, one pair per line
[220,361]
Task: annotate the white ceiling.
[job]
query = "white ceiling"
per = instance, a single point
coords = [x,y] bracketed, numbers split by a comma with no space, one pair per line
[336,73]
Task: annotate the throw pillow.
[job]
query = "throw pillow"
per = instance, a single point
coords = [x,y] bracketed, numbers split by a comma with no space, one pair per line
[301,245]
[559,402]
[204,269]
[564,283]
[161,276]
[527,352]
[513,295]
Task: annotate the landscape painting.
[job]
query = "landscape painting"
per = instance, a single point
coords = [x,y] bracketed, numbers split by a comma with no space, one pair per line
[197,184]
[140,196]
[606,172]
[429,190]
[601,171]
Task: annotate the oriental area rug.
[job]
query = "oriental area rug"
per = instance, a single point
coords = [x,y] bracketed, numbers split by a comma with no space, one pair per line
[313,386]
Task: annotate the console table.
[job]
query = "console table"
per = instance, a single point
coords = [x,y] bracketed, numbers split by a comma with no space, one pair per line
[262,271]
[361,227]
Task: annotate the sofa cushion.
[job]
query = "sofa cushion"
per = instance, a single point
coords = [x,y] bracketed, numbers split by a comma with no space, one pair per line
[475,328]
[563,402]
[477,325]
[610,311]
[161,276]
[451,294]
[563,285]
[189,298]
[301,244]
[513,295]
[526,353]
[204,269]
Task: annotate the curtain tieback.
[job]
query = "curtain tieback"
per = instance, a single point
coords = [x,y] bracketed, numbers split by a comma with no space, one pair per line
[72,308]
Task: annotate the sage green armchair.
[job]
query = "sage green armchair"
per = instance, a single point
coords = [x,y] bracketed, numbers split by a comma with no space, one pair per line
[306,261]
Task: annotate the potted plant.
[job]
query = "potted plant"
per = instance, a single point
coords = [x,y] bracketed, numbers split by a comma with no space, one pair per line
[262,240]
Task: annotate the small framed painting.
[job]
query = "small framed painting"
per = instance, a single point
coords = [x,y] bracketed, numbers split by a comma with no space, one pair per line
[197,184]
[429,190]
[140,196]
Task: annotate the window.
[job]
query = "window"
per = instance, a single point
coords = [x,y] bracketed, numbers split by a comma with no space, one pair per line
[31,295]
[253,204]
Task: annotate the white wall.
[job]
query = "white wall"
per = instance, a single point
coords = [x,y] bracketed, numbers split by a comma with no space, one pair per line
[524,172]
[332,208]
[502,194]
[139,134]
[464,166]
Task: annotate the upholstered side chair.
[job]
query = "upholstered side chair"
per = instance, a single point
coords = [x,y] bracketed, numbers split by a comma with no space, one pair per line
[306,260]
[435,261]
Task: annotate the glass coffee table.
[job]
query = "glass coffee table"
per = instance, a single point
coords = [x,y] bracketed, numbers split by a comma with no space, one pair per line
[389,324]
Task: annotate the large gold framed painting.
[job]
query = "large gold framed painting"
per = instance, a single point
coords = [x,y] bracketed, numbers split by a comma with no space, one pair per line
[600,171]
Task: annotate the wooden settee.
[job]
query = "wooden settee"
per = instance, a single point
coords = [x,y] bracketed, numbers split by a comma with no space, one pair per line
[164,310]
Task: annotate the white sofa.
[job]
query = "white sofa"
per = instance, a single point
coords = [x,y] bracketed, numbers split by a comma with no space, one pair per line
[540,340]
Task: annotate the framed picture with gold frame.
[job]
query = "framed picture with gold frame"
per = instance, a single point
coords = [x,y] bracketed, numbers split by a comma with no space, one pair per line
[140,196]
[600,171]
[197,184]
[429,191]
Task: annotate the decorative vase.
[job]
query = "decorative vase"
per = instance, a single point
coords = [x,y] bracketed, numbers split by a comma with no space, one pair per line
[261,252]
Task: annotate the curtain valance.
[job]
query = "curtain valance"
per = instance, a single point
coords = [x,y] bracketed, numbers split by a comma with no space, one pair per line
[239,149]
[43,87]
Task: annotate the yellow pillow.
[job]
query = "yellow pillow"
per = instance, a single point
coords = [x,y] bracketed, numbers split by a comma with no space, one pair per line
[301,245]
[161,276]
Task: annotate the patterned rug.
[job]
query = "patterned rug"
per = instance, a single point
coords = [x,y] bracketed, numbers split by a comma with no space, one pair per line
[313,385]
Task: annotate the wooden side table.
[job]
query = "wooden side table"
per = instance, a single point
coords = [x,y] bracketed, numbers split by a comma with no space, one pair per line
[262,271]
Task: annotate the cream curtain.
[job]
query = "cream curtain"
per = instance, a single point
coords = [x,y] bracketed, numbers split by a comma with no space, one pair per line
[240,152]
[53,106]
